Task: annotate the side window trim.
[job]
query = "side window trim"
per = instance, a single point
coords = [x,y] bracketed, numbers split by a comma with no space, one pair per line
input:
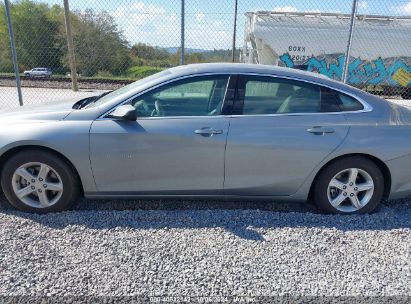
[239,88]
[230,96]
[240,96]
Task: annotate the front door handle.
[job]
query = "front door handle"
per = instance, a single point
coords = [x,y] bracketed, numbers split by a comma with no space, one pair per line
[320,130]
[207,132]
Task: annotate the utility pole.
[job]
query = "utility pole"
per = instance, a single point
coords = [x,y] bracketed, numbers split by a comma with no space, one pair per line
[235,29]
[13,52]
[70,45]
[348,51]
[182,32]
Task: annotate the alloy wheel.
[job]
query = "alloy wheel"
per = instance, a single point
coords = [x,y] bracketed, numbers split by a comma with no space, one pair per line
[37,185]
[350,190]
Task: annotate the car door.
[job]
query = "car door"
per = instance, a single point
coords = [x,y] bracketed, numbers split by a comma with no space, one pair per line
[176,146]
[282,129]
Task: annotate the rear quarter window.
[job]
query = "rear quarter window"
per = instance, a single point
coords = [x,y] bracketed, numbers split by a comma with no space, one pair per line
[349,104]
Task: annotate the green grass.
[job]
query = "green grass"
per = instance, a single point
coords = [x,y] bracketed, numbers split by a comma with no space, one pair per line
[138,72]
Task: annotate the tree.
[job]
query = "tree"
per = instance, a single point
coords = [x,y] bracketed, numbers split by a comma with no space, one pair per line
[35,36]
[144,54]
[40,38]
[99,45]
[6,65]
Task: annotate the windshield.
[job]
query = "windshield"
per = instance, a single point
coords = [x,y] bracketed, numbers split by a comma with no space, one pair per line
[107,97]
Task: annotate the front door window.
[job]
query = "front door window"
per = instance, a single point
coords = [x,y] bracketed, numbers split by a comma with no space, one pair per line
[196,96]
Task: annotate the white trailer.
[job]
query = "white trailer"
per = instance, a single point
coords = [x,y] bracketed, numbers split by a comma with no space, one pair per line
[380,51]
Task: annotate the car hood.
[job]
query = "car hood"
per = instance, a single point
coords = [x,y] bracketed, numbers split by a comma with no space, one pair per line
[37,113]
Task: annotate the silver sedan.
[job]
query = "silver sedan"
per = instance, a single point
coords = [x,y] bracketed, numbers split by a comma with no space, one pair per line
[212,131]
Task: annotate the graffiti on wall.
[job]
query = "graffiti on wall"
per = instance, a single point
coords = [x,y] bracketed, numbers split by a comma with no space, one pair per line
[376,72]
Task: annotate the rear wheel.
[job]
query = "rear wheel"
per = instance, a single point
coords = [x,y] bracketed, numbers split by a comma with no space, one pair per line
[349,186]
[40,182]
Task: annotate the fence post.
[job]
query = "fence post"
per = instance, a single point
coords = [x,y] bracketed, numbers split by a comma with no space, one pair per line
[70,45]
[182,59]
[235,29]
[348,51]
[13,52]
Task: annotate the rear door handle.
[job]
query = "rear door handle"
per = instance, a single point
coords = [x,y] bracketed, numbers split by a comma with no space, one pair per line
[320,130]
[207,132]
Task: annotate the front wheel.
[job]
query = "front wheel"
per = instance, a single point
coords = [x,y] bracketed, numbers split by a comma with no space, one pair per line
[40,182]
[352,185]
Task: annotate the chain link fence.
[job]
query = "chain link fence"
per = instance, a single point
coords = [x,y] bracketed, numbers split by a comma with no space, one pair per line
[118,41]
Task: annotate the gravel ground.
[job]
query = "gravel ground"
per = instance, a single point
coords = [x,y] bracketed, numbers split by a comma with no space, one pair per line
[212,249]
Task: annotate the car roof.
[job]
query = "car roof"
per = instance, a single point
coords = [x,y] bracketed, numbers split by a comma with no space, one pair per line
[243,68]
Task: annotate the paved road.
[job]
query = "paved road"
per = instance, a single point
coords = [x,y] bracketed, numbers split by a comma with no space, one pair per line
[9,99]
[403,102]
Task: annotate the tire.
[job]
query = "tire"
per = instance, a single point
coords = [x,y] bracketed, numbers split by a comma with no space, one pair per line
[58,190]
[342,173]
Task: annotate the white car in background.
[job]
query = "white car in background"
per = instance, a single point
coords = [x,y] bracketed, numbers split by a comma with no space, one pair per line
[38,72]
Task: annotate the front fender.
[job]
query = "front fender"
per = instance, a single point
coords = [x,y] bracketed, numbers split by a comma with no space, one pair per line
[68,138]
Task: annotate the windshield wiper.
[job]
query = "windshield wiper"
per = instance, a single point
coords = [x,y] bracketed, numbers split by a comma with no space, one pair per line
[81,104]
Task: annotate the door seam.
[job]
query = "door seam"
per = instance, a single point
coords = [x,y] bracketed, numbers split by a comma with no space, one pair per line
[225,153]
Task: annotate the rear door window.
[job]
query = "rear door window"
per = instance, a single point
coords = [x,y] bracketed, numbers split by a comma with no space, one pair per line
[269,95]
[272,95]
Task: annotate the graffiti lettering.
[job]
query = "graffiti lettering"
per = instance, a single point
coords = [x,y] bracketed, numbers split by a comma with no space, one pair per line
[360,71]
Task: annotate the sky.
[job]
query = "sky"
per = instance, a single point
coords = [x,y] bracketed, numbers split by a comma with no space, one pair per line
[209,23]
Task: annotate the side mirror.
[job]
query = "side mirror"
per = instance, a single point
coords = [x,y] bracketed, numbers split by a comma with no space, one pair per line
[126,112]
